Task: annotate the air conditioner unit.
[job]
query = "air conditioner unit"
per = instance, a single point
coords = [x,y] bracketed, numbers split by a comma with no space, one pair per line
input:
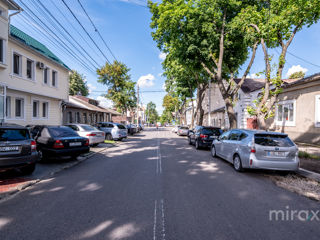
[40,65]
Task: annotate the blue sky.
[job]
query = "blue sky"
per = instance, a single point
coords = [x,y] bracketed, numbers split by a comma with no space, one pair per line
[124,24]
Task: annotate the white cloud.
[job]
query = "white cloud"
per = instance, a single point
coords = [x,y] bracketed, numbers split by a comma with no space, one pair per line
[254,75]
[296,68]
[103,102]
[146,81]
[91,87]
[164,86]
[162,56]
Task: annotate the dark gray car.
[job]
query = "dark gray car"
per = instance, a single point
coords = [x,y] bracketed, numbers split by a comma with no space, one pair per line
[257,149]
[17,149]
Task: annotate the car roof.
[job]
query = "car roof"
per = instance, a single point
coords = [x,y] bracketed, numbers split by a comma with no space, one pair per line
[12,125]
[254,131]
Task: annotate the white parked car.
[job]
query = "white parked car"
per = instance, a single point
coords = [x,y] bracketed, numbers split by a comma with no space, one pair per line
[175,129]
[94,135]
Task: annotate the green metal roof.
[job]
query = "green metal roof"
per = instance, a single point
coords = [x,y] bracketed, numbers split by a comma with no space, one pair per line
[36,45]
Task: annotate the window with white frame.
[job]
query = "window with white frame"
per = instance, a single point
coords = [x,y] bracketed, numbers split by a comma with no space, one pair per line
[30,69]
[35,109]
[2,101]
[54,78]
[46,75]
[317,111]
[45,109]
[2,50]
[285,113]
[8,107]
[17,64]
[19,108]
[69,117]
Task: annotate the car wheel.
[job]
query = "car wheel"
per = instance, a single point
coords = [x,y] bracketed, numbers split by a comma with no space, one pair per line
[94,145]
[197,144]
[213,151]
[108,136]
[190,143]
[42,156]
[237,164]
[28,169]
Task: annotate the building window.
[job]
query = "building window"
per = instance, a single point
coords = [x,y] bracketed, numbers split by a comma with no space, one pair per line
[54,78]
[85,120]
[45,109]
[8,107]
[69,117]
[2,50]
[35,109]
[30,69]
[46,75]
[17,64]
[285,113]
[78,120]
[19,108]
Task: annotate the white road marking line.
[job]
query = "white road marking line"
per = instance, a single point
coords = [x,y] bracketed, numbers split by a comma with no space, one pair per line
[155,221]
[163,221]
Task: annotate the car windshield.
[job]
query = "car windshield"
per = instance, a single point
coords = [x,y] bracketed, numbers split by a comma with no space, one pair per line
[14,134]
[121,126]
[88,128]
[212,131]
[273,140]
[62,132]
[186,128]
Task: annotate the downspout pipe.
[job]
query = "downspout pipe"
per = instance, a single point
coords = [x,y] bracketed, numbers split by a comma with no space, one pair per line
[11,15]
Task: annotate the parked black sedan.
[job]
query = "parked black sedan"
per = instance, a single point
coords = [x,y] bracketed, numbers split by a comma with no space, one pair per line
[57,141]
[203,136]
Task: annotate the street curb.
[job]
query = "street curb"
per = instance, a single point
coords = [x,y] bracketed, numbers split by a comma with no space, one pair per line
[309,174]
[30,183]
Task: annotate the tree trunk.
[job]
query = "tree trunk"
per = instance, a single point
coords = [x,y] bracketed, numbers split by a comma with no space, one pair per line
[201,90]
[231,114]
[262,122]
[192,117]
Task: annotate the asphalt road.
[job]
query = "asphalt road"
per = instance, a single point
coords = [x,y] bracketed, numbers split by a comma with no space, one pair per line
[156,187]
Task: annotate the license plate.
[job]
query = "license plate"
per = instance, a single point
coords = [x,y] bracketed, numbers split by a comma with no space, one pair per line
[9,149]
[75,144]
[275,154]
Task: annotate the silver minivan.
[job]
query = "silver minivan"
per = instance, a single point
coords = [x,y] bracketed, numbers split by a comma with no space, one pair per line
[257,149]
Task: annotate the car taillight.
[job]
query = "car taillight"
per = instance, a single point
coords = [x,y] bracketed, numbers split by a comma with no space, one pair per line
[91,135]
[87,143]
[58,144]
[253,150]
[33,146]
[203,136]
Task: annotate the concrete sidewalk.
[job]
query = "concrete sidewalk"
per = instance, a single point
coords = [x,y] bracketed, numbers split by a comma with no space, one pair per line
[308,148]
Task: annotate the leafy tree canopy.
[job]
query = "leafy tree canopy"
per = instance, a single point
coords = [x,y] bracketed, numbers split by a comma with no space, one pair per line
[151,112]
[299,74]
[121,89]
[77,84]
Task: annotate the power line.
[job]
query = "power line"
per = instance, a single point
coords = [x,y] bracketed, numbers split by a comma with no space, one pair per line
[85,30]
[96,30]
[53,35]
[74,40]
[303,59]
[73,27]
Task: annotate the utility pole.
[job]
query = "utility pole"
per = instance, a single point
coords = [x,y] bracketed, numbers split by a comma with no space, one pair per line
[209,101]
[138,104]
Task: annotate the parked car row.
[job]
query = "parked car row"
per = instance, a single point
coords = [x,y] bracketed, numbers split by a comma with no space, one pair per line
[248,149]
[21,147]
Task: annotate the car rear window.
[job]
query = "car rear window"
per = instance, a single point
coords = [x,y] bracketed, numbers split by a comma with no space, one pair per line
[88,128]
[184,128]
[273,140]
[212,131]
[62,132]
[121,126]
[14,134]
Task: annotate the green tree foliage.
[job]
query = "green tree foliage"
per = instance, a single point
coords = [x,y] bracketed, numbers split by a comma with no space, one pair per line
[299,74]
[121,89]
[276,23]
[151,113]
[77,84]
[205,36]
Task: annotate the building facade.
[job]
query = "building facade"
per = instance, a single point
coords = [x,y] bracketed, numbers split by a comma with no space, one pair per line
[34,82]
